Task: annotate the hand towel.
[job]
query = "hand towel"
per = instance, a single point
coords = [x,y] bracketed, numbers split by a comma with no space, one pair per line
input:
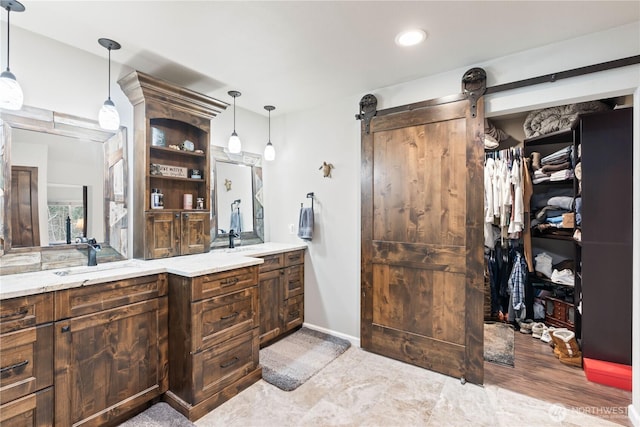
[235,224]
[305,224]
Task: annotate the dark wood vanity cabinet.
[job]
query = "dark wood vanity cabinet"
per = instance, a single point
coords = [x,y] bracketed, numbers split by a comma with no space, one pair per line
[171,154]
[213,336]
[110,349]
[281,294]
[26,361]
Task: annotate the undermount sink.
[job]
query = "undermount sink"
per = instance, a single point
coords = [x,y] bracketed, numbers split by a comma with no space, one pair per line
[93,269]
[237,249]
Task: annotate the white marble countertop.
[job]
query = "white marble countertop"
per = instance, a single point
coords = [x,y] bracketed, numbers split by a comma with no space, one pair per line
[16,285]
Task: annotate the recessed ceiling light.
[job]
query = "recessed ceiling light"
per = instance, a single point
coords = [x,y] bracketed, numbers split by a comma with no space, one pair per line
[411,37]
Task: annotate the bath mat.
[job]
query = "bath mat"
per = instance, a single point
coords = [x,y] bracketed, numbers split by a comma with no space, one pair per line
[159,415]
[498,343]
[290,362]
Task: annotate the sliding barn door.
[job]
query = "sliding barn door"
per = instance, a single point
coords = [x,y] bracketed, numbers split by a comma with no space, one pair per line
[422,265]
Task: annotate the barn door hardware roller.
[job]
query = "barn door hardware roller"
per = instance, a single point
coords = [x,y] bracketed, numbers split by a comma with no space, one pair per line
[474,85]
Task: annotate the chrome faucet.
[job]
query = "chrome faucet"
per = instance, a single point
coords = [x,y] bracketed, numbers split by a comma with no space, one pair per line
[232,235]
[92,252]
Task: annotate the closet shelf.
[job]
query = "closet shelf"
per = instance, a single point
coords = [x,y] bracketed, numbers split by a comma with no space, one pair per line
[559,137]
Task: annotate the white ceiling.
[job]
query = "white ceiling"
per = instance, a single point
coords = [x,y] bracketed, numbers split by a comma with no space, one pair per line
[298,54]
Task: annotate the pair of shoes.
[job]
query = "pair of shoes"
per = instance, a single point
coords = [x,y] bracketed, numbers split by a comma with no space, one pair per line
[525,326]
[538,329]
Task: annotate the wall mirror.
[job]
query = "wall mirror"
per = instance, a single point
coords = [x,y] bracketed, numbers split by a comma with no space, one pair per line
[56,166]
[236,197]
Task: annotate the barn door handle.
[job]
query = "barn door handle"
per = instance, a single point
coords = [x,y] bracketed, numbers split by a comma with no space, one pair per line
[20,313]
[229,363]
[230,316]
[14,366]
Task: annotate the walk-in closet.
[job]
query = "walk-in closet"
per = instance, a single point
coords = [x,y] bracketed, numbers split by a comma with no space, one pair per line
[558,236]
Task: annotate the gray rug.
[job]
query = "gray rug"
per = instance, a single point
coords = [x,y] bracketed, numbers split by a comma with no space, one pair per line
[159,415]
[290,362]
[498,343]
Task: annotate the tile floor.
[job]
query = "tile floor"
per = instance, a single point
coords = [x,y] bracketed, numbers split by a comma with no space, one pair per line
[363,389]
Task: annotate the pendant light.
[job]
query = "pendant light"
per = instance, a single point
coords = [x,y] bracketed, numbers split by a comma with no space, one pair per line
[108,117]
[269,151]
[11,96]
[235,146]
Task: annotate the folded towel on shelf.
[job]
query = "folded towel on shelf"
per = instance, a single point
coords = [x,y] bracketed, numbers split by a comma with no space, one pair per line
[305,224]
[562,175]
[560,156]
[554,168]
[235,223]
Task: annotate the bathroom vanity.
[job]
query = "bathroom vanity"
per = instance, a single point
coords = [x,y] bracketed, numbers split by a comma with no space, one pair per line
[90,345]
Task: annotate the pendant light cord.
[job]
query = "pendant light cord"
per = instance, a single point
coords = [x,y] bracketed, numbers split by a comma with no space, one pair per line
[234,114]
[109,81]
[269,125]
[8,41]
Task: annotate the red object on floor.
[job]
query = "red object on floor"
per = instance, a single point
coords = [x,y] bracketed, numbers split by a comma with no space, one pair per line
[608,373]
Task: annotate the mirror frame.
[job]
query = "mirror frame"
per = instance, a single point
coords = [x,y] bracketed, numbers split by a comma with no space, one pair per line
[254,161]
[47,121]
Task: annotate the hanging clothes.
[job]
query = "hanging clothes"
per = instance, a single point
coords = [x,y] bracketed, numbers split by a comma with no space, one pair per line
[517,281]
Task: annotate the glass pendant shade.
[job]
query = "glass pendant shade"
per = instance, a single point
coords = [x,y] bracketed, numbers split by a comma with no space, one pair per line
[269,152]
[108,117]
[235,146]
[11,96]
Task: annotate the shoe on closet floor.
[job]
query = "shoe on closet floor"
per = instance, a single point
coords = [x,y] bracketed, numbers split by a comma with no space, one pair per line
[537,329]
[566,343]
[572,360]
[525,326]
[546,334]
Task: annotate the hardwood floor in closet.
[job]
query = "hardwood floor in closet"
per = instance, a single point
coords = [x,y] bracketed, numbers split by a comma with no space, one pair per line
[537,373]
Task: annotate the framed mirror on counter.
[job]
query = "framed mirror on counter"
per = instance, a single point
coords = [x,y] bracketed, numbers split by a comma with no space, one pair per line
[236,198]
[63,180]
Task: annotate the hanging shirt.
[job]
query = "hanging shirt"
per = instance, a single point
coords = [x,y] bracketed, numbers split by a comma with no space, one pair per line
[517,216]
[517,280]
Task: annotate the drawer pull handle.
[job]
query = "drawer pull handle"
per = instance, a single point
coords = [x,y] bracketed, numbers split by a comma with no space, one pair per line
[6,369]
[230,316]
[231,281]
[20,313]
[230,362]
[65,329]
[294,314]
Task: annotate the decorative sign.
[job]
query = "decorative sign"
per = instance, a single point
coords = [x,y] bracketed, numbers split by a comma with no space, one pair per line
[172,171]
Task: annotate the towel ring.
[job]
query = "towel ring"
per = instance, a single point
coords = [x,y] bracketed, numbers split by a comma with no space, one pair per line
[309,196]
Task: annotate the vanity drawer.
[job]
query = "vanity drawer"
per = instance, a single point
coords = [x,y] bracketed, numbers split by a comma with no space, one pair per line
[92,299]
[293,258]
[293,312]
[23,312]
[294,281]
[272,262]
[217,319]
[34,410]
[211,285]
[26,362]
[220,366]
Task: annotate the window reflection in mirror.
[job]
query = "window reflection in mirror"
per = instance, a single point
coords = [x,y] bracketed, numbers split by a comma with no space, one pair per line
[235,206]
[65,165]
[66,201]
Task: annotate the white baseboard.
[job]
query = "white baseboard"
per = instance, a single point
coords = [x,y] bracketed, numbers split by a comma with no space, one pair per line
[353,340]
[634,415]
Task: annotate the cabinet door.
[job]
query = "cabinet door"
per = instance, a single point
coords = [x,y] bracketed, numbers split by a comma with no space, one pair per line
[162,235]
[110,362]
[271,304]
[195,233]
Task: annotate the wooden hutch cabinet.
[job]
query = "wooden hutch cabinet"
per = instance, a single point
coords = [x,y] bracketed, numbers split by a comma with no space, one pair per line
[171,158]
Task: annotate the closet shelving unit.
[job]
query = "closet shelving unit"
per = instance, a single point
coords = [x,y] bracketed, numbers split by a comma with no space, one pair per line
[560,309]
